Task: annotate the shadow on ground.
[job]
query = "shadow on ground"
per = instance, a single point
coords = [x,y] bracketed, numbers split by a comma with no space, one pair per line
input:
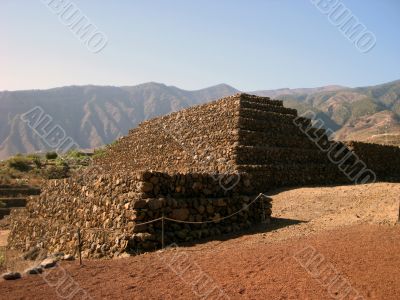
[276,191]
[275,224]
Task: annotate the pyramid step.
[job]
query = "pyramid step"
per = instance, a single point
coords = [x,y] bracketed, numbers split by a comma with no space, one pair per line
[264,115]
[284,140]
[12,202]
[282,124]
[267,108]
[4,212]
[262,100]
[293,174]
[247,155]
[276,123]
[14,186]
[14,192]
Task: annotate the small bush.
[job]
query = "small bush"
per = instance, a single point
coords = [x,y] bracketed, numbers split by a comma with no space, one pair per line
[2,204]
[4,177]
[35,159]
[99,152]
[20,163]
[75,154]
[2,257]
[57,171]
[7,174]
[51,155]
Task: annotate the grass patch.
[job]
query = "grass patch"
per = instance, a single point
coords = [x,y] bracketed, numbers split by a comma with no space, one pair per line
[75,154]
[2,257]
[33,168]
[99,152]
[20,163]
[58,171]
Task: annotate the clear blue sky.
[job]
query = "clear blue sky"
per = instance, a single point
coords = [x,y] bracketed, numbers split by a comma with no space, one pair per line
[257,44]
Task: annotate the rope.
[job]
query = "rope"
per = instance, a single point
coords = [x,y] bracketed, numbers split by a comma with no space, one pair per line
[178,221]
[109,229]
[217,220]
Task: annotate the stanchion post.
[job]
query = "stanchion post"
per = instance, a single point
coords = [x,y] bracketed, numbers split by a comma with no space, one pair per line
[79,246]
[262,209]
[162,232]
[398,219]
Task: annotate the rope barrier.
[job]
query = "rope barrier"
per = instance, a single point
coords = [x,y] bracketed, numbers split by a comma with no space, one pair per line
[216,220]
[245,207]
[185,222]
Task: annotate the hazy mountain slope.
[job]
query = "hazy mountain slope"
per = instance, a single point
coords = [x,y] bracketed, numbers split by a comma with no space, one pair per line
[382,127]
[96,115]
[366,113]
[299,91]
[92,115]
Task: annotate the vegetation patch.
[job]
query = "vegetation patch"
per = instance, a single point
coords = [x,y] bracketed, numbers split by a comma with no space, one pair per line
[20,163]
[33,168]
[51,155]
[2,257]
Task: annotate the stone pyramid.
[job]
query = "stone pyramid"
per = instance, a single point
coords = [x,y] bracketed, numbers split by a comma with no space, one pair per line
[201,170]
[237,134]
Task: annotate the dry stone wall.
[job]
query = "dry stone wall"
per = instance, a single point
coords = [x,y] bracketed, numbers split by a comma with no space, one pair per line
[383,160]
[108,209]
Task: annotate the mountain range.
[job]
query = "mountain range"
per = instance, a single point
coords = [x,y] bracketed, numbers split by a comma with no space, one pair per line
[96,115]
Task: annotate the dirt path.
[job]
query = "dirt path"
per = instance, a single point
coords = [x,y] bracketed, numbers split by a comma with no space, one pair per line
[325,208]
[351,229]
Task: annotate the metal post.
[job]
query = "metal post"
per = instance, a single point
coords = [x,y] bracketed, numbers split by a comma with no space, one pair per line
[162,232]
[79,247]
[398,219]
[263,210]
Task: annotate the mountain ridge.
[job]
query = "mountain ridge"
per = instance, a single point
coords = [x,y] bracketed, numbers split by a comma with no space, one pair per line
[96,115]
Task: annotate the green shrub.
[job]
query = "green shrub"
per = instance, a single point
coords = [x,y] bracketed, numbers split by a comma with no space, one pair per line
[2,204]
[7,174]
[35,159]
[20,163]
[51,155]
[2,257]
[5,178]
[75,154]
[99,152]
[75,157]
[58,171]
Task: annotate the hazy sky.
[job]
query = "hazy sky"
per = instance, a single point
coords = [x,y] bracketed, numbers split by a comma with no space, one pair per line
[257,44]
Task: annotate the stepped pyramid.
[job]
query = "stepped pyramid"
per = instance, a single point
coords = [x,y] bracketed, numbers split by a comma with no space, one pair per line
[236,134]
[180,167]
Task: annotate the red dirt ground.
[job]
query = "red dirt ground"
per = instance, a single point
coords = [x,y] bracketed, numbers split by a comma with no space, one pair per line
[352,229]
[366,256]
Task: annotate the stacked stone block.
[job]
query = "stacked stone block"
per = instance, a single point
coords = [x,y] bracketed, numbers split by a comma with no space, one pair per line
[383,160]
